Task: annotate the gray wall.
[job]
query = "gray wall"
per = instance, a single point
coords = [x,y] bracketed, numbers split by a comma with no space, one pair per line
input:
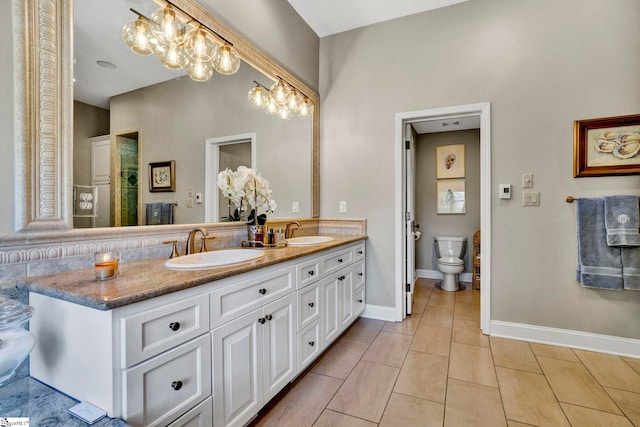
[175,127]
[7,212]
[276,28]
[539,64]
[431,223]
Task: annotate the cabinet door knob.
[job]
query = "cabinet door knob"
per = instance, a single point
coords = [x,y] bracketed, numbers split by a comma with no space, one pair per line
[311,343]
[268,317]
[311,304]
[359,252]
[339,259]
[174,326]
[360,300]
[176,385]
[262,291]
[311,272]
[261,320]
[360,274]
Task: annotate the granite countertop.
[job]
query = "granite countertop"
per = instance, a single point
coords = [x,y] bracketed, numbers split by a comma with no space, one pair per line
[145,279]
[42,405]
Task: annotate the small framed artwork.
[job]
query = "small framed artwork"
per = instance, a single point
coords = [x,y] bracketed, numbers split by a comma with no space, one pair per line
[606,146]
[450,161]
[451,196]
[162,176]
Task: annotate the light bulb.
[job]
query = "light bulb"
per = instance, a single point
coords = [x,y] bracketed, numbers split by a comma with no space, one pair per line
[226,60]
[258,96]
[280,92]
[284,113]
[306,108]
[169,28]
[200,71]
[137,35]
[199,45]
[295,100]
[272,106]
[172,56]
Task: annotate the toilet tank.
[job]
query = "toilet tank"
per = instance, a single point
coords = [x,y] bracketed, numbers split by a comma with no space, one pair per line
[454,246]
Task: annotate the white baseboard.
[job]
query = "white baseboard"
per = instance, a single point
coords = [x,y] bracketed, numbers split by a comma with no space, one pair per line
[567,338]
[379,312]
[434,274]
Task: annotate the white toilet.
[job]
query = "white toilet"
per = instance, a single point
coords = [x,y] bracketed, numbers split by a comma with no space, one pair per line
[450,251]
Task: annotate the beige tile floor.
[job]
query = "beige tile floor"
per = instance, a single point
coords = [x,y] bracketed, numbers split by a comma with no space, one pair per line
[437,369]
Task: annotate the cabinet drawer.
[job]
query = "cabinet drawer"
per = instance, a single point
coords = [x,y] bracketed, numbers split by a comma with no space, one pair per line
[200,416]
[358,274]
[336,261]
[151,332]
[358,252]
[308,272]
[161,389]
[358,301]
[232,301]
[309,345]
[309,305]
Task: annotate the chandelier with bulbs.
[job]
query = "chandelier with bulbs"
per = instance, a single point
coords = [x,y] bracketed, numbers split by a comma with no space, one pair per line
[181,42]
[281,99]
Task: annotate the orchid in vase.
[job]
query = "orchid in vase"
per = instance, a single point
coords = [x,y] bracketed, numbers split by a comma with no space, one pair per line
[246,189]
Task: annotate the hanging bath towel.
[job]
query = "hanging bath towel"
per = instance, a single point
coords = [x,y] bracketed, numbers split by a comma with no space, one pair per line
[622,220]
[599,266]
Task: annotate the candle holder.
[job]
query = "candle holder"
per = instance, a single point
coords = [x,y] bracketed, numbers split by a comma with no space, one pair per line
[106,265]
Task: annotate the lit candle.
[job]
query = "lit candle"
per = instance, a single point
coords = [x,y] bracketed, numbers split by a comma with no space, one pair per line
[106,265]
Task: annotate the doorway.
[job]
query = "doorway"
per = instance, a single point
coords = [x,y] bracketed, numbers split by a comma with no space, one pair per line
[404,218]
[125,194]
[227,151]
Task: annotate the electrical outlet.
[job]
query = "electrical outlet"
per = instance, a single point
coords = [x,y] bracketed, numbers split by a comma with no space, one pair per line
[295,207]
[343,207]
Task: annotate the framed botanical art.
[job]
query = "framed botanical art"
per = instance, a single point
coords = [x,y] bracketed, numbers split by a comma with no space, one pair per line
[606,146]
[450,196]
[450,161]
[162,176]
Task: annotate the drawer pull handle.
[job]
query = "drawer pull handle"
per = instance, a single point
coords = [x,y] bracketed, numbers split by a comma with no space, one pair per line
[341,278]
[268,317]
[262,291]
[311,272]
[360,301]
[176,385]
[311,304]
[174,326]
[360,274]
[311,343]
[261,320]
[339,259]
[360,252]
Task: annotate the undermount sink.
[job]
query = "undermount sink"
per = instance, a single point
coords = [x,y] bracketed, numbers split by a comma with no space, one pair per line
[213,259]
[308,240]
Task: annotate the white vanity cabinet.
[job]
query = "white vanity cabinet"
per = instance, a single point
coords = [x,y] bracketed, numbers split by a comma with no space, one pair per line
[209,355]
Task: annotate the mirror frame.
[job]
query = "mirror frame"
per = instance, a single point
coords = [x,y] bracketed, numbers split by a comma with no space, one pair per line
[43,100]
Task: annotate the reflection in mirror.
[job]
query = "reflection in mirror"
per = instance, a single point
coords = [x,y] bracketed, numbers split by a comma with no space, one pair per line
[151,114]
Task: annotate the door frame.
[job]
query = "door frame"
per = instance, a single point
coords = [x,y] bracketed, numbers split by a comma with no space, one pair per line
[483,110]
[211,169]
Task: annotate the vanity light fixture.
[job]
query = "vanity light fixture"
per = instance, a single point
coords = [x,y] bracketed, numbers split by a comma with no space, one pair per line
[180,42]
[282,100]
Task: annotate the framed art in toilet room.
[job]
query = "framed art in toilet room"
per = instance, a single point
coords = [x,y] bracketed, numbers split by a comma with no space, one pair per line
[450,161]
[451,196]
[606,146]
[162,176]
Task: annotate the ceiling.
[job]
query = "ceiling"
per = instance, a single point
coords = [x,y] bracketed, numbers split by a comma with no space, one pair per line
[328,17]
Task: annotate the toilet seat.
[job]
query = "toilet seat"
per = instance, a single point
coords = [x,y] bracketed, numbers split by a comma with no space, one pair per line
[450,260]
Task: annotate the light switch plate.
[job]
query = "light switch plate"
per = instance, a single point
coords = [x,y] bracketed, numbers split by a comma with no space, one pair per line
[527,180]
[343,207]
[530,198]
[295,207]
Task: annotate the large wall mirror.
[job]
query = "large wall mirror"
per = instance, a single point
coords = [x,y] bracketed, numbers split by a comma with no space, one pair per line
[171,118]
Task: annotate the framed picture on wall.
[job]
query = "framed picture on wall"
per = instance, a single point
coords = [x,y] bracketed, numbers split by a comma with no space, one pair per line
[451,196]
[162,176]
[606,146]
[450,161]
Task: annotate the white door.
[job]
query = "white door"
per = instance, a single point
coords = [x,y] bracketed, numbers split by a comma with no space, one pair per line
[279,345]
[331,316]
[410,243]
[237,369]
[345,293]
[101,179]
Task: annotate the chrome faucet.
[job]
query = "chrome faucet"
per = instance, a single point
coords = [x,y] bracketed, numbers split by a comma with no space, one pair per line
[288,231]
[192,239]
